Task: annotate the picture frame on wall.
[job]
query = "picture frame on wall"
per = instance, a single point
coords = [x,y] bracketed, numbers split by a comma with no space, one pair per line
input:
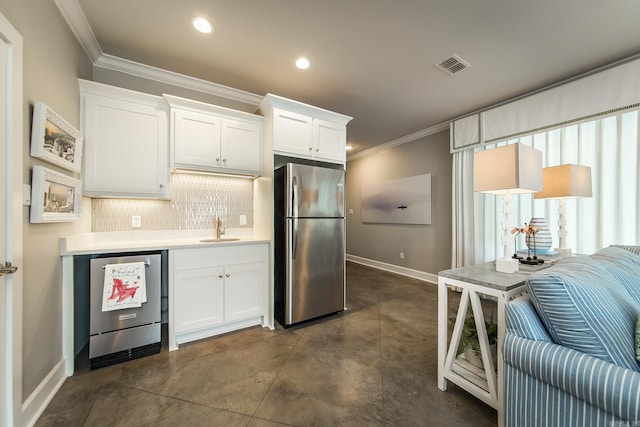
[54,197]
[54,140]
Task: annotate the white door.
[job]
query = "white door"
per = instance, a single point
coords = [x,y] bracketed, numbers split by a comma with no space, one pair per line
[241,146]
[243,291]
[10,224]
[196,140]
[330,140]
[292,133]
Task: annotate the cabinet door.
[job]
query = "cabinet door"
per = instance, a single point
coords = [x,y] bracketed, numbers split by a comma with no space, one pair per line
[126,148]
[243,288]
[198,298]
[292,133]
[241,146]
[329,140]
[196,140]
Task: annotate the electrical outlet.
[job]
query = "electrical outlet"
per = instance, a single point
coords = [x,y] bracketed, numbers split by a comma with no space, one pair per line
[243,220]
[401,255]
[136,221]
[350,211]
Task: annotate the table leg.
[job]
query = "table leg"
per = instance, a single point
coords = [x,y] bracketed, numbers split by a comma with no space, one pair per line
[442,333]
[502,299]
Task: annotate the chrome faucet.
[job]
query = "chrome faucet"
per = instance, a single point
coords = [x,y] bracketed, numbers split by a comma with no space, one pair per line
[220,230]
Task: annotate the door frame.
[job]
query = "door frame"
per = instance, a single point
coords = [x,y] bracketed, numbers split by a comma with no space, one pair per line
[12,142]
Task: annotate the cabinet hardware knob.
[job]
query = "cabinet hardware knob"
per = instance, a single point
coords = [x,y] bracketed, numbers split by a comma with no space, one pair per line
[220,276]
[317,149]
[224,160]
[310,148]
[228,275]
[161,185]
[217,159]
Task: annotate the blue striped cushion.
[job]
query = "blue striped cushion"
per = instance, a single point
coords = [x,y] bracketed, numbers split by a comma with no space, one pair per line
[638,339]
[550,385]
[624,265]
[523,321]
[634,249]
[584,308]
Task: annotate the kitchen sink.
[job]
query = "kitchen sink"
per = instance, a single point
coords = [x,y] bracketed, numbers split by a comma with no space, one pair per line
[224,239]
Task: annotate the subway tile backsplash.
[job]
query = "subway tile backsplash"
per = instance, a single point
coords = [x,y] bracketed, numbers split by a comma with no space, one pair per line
[196,200]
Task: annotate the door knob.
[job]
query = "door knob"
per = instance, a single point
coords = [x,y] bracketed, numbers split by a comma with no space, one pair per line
[7,269]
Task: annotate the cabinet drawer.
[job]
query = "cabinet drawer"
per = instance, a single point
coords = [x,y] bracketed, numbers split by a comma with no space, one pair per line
[185,259]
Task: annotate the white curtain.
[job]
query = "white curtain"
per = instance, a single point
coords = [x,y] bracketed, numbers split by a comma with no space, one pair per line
[462,210]
[609,145]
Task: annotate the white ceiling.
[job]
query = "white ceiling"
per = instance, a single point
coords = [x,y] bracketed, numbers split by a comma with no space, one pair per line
[373,59]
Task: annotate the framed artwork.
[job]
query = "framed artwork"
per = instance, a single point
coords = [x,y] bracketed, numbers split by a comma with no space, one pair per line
[54,197]
[397,201]
[54,140]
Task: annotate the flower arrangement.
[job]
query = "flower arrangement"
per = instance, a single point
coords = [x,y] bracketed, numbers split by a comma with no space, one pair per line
[529,230]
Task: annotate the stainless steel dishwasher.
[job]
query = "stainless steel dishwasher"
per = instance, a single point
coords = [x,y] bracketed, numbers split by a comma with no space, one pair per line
[119,335]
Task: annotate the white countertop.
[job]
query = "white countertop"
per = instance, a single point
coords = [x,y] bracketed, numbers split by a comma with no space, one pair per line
[129,241]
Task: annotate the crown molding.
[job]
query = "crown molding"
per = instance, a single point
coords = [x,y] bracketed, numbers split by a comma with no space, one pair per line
[77,21]
[176,79]
[399,141]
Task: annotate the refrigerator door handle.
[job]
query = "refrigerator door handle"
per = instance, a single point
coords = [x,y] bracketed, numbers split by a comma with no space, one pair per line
[294,196]
[294,238]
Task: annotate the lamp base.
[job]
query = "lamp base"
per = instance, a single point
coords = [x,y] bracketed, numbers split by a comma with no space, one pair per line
[564,252]
[508,265]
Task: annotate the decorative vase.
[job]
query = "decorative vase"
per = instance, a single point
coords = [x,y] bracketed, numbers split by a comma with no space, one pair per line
[542,240]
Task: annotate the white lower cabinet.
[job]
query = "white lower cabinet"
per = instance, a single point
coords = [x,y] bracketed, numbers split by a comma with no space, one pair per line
[206,284]
[213,290]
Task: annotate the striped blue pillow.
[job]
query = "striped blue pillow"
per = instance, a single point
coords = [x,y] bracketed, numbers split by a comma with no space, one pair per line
[624,266]
[523,321]
[583,307]
[634,249]
[638,339]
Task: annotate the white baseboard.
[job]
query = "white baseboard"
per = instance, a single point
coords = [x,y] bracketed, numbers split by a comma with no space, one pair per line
[415,274]
[37,402]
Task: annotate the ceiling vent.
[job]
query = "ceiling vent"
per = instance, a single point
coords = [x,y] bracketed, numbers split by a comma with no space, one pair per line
[453,65]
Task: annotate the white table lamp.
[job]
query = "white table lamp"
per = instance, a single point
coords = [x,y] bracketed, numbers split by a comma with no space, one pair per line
[564,182]
[512,169]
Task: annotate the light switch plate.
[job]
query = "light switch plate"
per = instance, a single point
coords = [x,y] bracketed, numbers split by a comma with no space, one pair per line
[26,195]
[243,220]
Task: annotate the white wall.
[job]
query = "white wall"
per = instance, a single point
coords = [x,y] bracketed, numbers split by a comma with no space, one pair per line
[53,61]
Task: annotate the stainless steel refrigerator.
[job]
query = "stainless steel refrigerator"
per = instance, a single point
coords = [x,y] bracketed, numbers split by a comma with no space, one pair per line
[309,242]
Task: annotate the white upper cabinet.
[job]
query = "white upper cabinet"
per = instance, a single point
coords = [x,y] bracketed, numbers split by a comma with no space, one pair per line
[126,142]
[330,139]
[195,139]
[292,132]
[301,130]
[207,137]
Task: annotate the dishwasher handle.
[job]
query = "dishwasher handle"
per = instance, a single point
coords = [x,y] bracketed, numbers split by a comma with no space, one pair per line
[147,263]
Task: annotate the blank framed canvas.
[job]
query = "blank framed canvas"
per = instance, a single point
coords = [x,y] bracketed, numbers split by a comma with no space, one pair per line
[397,201]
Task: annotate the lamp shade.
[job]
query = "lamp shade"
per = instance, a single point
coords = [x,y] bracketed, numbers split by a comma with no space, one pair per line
[565,181]
[511,169]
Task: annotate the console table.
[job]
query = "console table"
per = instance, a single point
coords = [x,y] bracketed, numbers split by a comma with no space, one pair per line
[486,384]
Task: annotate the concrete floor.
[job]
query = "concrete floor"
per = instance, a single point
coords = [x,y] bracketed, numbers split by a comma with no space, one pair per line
[373,365]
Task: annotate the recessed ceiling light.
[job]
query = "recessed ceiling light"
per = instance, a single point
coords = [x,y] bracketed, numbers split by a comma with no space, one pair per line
[202,25]
[302,63]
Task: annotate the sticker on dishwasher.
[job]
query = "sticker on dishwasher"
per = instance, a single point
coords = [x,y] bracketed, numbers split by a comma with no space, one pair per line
[127,316]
